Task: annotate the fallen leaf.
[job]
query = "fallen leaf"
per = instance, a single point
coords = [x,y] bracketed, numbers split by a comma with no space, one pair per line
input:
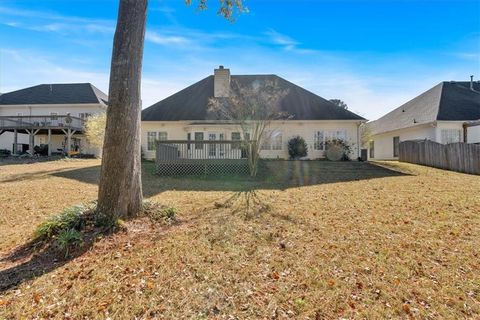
[36,297]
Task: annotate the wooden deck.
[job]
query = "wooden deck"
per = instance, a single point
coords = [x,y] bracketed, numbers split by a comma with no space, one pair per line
[46,125]
[206,157]
[55,123]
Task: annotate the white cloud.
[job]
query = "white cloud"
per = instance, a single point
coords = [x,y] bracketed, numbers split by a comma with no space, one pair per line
[288,43]
[165,39]
[371,84]
[52,22]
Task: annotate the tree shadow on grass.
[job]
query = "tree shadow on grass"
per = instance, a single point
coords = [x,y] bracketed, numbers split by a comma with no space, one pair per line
[274,175]
[38,257]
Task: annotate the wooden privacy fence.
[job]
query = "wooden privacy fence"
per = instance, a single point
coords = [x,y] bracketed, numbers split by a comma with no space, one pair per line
[205,157]
[461,157]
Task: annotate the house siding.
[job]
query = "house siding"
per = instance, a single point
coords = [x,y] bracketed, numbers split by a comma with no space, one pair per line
[178,130]
[6,139]
[432,131]
[473,134]
[384,142]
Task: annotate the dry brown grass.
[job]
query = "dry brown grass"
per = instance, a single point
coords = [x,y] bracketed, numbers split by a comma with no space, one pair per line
[341,246]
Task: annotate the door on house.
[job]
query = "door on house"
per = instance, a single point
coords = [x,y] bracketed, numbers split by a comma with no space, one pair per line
[212,150]
[216,150]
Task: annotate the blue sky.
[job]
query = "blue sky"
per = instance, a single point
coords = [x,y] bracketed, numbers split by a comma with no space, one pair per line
[373,54]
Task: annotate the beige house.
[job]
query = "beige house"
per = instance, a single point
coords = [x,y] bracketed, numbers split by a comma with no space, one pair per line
[49,114]
[185,116]
[440,114]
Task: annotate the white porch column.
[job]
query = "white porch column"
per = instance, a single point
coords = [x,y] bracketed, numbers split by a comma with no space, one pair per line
[69,141]
[30,141]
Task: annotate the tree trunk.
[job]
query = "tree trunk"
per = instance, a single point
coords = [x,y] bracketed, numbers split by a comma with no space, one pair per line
[120,189]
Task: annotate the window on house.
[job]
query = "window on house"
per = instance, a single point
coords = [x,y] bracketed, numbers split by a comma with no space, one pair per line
[189,137]
[151,137]
[272,141]
[84,115]
[318,140]
[450,136]
[53,116]
[236,136]
[372,149]
[266,142]
[396,146]
[198,137]
[276,141]
[163,136]
[337,135]
[221,147]
[154,136]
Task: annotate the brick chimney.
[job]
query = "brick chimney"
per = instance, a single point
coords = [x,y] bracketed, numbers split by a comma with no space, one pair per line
[221,83]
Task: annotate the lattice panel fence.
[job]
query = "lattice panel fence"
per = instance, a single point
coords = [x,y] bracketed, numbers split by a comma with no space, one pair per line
[203,167]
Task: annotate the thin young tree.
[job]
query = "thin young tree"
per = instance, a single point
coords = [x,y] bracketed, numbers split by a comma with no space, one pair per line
[120,187]
[95,129]
[252,108]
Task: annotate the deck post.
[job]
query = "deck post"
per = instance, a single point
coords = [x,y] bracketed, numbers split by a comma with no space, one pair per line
[30,140]
[49,142]
[15,141]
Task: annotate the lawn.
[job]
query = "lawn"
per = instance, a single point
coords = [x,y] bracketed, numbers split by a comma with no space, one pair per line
[312,240]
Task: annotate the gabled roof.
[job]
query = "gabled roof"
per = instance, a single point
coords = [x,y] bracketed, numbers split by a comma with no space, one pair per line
[447,101]
[64,93]
[191,103]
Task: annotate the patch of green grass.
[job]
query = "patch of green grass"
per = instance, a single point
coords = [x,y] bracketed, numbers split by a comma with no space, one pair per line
[68,219]
[68,238]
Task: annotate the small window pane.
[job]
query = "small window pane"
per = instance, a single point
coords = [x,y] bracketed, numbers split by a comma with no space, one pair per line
[277,142]
[151,137]
[318,140]
[198,137]
[162,136]
[236,136]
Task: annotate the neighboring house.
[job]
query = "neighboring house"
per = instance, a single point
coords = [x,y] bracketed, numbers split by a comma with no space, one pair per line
[438,114]
[185,116]
[49,114]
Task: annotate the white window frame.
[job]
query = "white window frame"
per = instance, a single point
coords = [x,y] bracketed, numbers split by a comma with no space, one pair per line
[156,136]
[276,141]
[162,135]
[320,137]
[198,146]
[272,140]
[319,140]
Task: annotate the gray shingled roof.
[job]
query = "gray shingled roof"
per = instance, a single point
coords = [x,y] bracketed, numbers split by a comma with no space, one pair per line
[191,103]
[65,93]
[447,101]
